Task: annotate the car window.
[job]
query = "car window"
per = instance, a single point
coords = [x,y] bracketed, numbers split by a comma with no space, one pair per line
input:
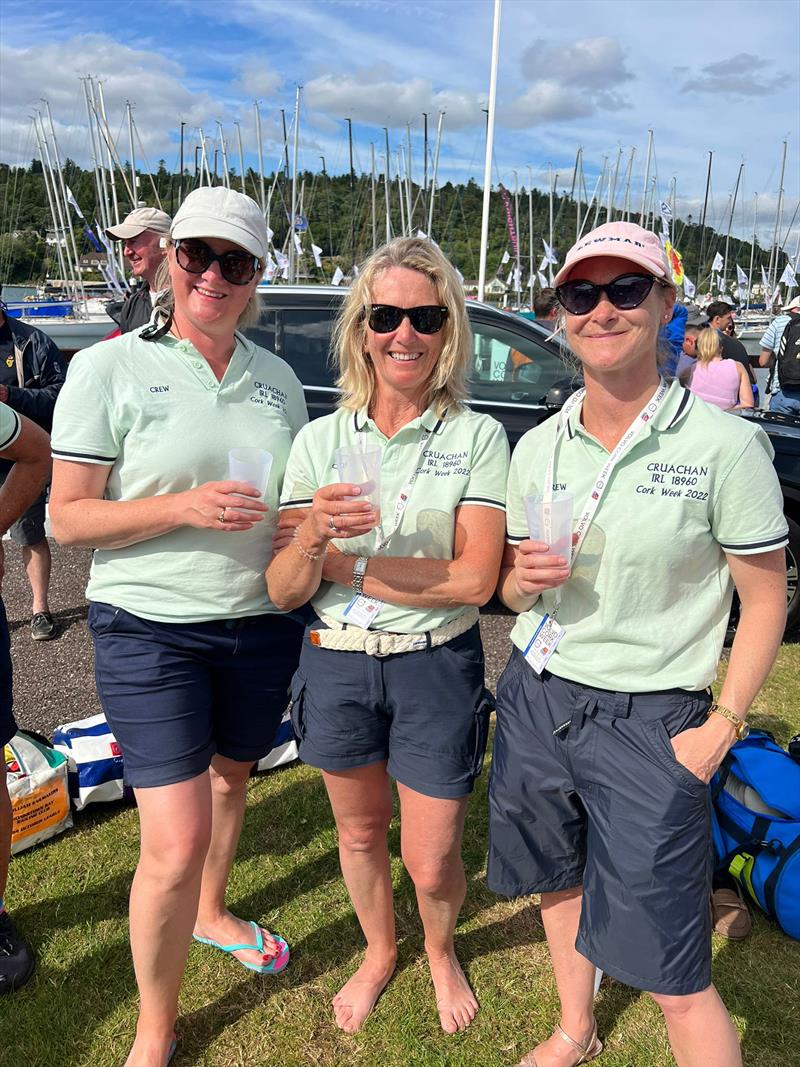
[508,364]
[301,336]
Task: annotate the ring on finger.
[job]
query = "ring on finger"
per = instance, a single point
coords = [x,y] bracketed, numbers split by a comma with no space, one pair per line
[333,525]
[222,515]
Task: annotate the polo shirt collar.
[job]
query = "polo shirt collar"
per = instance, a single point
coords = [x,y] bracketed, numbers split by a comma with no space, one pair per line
[676,406]
[428,420]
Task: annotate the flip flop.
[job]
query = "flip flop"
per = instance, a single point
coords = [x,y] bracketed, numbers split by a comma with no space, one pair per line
[275,965]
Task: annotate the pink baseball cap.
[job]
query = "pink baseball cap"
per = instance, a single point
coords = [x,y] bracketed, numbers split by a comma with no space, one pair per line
[622,240]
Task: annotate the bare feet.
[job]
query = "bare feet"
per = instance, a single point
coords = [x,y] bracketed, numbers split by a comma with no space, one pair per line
[454,999]
[357,997]
[228,930]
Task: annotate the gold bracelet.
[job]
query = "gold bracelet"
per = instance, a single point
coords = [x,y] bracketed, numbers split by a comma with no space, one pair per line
[310,556]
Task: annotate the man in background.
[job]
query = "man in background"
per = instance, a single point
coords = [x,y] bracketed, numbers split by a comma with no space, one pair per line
[141,232]
[785,402]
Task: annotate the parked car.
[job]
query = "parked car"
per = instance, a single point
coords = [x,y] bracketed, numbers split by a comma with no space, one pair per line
[519,376]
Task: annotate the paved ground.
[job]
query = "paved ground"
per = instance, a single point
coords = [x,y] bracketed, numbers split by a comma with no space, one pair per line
[54,681]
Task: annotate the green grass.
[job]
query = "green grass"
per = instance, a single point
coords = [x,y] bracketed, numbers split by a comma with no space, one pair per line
[70,897]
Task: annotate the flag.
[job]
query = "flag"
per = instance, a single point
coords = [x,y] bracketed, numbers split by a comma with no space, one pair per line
[517,279]
[505,259]
[101,233]
[421,235]
[510,278]
[338,276]
[356,271]
[317,253]
[718,263]
[675,262]
[549,253]
[688,287]
[544,264]
[283,261]
[298,245]
[775,296]
[90,237]
[71,200]
[720,282]
[270,235]
[741,277]
[110,280]
[272,266]
[300,223]
[542,279]
[765,282]
[666,219]
[788,277]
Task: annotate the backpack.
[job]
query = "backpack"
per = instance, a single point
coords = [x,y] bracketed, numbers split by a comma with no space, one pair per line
[755,826]
[788,361]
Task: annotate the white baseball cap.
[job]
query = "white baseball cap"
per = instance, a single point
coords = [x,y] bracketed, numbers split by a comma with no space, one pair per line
[143,218]
[793,305]
[222,213]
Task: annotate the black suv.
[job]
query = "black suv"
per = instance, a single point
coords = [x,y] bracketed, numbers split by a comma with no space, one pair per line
[519,377]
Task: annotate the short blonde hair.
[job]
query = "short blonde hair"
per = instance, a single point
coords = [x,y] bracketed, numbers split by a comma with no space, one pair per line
[355,373]
[166,298]
[708,345]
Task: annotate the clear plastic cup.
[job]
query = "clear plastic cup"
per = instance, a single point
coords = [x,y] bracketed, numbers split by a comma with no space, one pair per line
[551,522]
[362,468]
[251,465]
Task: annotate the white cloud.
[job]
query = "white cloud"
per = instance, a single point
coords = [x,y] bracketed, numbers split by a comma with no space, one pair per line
[738,76]
[591,63]
[389,103]
[257,80]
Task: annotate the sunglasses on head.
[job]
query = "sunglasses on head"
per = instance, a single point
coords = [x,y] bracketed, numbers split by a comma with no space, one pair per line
[626,292]
[195,257]
[385,318]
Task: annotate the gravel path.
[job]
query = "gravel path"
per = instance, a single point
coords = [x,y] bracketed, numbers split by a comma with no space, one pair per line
[54,680]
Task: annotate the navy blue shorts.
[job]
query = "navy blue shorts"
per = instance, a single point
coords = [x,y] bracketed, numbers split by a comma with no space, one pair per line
[175,694]
[585,790]
[426,713]
[8,726]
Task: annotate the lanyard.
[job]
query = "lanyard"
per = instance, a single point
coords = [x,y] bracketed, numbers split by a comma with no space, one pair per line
[405,492]
[601,483]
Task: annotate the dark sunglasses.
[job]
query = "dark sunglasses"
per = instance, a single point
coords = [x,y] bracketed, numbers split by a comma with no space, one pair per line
[195,257]
[385,318]
[626,292]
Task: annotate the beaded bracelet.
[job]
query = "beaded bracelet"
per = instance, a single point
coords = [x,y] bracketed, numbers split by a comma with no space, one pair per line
[310,556]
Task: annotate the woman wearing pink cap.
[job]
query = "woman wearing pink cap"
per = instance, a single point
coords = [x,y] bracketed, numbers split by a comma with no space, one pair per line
[607,735]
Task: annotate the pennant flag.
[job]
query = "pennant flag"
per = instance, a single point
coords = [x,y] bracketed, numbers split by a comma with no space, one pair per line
[531,282]
[775,296]
[549,253]
[356,271]
[101,233]
[298,245]
[270,234]
[510,277]
[338,276]
[741,277]
[720,281]
[765,282]
[422,235]
[666,219]
[517,279]
[505,259]
[718,263]
[90,237]
[788,277]
[283,261]
[544,264]
[110,280]
[271,267]
[675,262]
[71,200]
[542,279]
[317,253]
[688,287]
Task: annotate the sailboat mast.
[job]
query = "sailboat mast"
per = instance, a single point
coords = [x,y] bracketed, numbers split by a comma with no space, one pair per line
[401,196]
[409,209]
[352,193]
[435,173]
[372,191]
[628,176]
[63,200]
[612,187]
[773,256]
[226,178]
[95,156]
[530,230]
[293,225]
[387,185]
[129,113]
[51,200]
[752,254]
[703,218]
[260,146]
[241,155]
[425,166]
[728,234]
[645,189]
[487,169]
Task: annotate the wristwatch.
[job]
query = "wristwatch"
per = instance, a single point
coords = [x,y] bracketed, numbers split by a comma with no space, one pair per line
[742,728]
[359,570]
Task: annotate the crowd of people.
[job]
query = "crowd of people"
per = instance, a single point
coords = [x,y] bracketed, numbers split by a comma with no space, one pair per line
[210,601]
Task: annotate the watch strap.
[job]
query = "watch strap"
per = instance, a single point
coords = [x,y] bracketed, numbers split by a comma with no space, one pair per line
[359,570]
[739,724]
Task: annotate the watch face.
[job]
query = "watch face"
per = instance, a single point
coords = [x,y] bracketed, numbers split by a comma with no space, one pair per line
[742,731]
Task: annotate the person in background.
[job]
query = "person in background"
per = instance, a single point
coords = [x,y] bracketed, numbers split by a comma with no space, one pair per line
[720,318]
[397,694]
[671,336]
[32,372]
[695,323]
[26,447]
[785,401]
[607,735]
[719,381]
[545,308]
[192,660]
[141,232]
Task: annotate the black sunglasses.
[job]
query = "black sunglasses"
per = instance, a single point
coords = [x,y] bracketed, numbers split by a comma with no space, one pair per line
[385,318]
[626,292]
[195,257]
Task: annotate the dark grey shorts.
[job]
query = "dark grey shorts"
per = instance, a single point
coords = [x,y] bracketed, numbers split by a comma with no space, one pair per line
[585,790]
[426,713]
[29,527]
[8,726]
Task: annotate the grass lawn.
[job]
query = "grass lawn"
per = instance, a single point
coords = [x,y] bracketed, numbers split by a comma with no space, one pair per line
[70,897]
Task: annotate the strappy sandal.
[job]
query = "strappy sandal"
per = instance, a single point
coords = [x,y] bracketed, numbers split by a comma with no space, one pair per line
[592,1049]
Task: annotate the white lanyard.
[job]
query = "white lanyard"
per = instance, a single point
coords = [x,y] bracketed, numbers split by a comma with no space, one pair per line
[603,478]
[405,492]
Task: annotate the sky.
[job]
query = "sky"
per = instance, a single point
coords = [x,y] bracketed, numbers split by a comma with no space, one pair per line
[706,76]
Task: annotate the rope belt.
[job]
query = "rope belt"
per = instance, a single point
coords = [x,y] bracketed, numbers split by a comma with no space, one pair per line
[379,643]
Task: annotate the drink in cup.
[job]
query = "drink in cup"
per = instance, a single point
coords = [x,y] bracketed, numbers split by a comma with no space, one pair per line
[251,465]
[361,467]
[551,522]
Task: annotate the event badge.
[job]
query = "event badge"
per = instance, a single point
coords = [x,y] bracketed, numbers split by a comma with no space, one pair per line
[543,643]
[363,611]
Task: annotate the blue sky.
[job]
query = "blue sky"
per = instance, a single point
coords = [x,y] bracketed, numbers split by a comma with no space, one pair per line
[718,75]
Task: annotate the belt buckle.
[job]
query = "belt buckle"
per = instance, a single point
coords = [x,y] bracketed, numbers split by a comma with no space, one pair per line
[373,643]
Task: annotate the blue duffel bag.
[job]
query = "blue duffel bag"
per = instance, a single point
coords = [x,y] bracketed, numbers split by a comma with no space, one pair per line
[756,826]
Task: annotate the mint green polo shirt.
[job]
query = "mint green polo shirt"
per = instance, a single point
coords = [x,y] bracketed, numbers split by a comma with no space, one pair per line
[155,414]
[646,605]
[465,462]
[10,426]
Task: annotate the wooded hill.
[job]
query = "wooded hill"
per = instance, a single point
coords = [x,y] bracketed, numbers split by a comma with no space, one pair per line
[339,213]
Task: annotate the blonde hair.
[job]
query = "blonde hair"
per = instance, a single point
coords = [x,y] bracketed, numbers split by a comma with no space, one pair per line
[708,345]
[354,369]
[166,297]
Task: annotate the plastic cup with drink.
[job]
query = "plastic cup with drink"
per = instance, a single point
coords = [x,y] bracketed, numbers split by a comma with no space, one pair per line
[551,521]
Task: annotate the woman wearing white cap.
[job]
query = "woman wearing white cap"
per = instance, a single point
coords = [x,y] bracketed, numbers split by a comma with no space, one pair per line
[193,660]
[606,731]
